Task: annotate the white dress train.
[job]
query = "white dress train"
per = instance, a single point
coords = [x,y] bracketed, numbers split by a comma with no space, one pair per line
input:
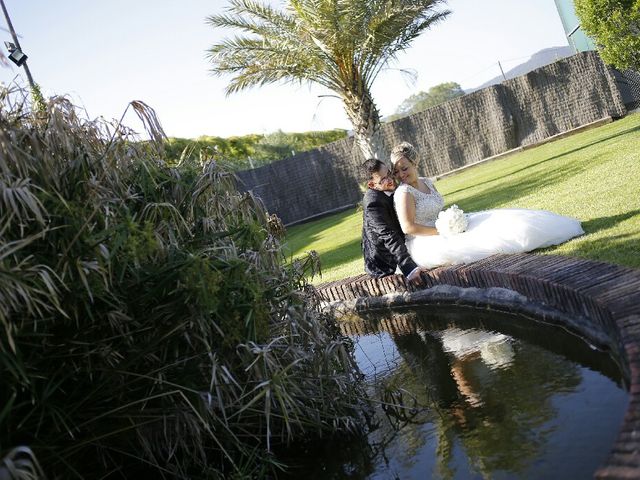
[506,230]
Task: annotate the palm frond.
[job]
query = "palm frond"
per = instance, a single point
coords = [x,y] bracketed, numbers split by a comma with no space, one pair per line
[339,44]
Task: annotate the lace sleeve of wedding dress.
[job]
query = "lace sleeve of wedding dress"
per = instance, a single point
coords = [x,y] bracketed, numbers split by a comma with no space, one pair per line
[427,181]
[402,188]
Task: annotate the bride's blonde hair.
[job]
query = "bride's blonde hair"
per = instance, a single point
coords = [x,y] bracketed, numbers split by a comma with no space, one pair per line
[404,150]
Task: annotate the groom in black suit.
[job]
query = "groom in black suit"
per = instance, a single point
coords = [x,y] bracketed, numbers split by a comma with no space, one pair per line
[383,244]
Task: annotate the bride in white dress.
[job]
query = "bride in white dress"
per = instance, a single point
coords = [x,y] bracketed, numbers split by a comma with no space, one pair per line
[509,230]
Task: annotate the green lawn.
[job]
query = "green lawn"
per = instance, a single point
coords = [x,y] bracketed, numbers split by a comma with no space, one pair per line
[593,176]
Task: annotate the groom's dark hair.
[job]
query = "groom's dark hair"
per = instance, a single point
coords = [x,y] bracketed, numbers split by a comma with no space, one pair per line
[371,166]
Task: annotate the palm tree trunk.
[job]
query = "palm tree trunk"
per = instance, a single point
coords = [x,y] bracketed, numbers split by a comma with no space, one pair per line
[365,119]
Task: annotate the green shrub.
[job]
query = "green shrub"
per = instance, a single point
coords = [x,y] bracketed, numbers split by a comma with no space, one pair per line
[615,27]
[148,319]
[249,151]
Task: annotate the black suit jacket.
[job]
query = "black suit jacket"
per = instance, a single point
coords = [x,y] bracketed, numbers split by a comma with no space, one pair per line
[383,245]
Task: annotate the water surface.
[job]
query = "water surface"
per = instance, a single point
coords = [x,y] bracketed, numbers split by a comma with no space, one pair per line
[465,393]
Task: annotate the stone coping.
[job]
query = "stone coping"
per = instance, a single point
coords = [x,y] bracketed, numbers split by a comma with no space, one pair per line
[598,301]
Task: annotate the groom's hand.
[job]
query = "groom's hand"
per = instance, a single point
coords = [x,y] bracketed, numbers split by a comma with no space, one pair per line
[415,276]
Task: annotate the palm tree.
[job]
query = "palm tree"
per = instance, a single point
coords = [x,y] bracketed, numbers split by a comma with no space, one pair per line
[339,44]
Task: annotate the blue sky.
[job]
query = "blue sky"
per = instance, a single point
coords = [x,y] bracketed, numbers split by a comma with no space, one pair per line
[103,54]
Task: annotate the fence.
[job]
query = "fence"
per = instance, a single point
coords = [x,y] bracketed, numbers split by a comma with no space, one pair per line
[559,97]
[628,82]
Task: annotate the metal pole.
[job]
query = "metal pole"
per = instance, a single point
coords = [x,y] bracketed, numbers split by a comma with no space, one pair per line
[17,43]
[499,64]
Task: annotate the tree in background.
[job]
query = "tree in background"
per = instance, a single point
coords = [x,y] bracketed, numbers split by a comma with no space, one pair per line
[422,100]
[339,44]
[615,27]
[248,151]
[278,145]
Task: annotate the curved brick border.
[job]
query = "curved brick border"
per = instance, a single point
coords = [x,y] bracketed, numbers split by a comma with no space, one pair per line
[599,301]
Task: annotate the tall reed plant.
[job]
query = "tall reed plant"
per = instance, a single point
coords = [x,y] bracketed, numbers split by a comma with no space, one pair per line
[149,322]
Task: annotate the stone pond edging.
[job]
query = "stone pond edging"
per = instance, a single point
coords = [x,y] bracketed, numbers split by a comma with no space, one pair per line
[598,301]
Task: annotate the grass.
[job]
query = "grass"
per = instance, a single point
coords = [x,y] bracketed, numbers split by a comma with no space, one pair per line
[593,176]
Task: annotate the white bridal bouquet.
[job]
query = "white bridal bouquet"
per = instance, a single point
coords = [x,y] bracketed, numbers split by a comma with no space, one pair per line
[451,221]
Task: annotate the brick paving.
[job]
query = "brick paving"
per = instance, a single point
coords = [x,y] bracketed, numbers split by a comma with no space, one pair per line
[596,300]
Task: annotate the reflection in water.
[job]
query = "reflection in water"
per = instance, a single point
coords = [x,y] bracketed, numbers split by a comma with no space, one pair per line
[523,403]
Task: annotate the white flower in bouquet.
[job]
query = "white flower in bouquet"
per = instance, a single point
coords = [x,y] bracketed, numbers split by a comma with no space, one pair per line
[451,221]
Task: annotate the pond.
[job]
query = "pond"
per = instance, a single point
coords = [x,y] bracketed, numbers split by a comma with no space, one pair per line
[467,393]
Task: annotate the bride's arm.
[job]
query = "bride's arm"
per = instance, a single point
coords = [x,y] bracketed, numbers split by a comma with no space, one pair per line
[406,209]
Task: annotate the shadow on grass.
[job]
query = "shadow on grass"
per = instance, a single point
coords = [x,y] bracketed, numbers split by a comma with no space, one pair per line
[307,233]
[554,157]
[345,253]
[510,192]
[619,249]
[604,223]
